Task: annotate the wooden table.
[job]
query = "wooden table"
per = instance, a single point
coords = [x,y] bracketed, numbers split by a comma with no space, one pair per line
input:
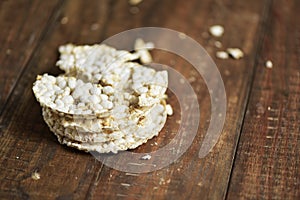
[257,155]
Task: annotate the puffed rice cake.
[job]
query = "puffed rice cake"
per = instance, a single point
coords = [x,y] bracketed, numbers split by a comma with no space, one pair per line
[103,102]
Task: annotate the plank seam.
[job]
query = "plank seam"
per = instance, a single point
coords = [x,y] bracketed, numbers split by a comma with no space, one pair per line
[51,22]
[261,36]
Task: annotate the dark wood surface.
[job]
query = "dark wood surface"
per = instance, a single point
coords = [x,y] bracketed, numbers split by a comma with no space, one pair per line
[257,155]
[267,160]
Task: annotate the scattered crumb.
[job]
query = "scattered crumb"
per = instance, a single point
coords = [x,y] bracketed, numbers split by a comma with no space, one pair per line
[235,53]
[142,49]
[186,107]
[134,10]
[64,20]
[140,44]
[125,184]
[162,181]
[146,157]
[234,99]
[192,79]
[218,44]
[193,73]
[172,62]
[200,184]
[17,157]
[216,30]
[155,143]
[269,64]
[169,109]
[178,121]
[39,77]
[222,55]
[227,72]
[8,51]
[182,36]
[269,108]
[134,2]
[181,80]
[95,26]
[155,188]
[35,175]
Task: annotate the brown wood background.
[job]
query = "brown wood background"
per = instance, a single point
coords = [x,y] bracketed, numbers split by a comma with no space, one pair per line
[258,153]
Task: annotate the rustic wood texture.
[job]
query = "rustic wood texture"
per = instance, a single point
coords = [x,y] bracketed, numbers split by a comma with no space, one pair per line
[22,25]
[267,164]
[267,161]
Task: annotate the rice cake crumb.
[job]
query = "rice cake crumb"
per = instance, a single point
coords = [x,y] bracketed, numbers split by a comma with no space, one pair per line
[218,44]
[182,36]
[235,53]
[222,55]
[35,176]
[142,50]
[134,2]
[64,20]
[146,157]
[216,30]
[169,109]
[269,64]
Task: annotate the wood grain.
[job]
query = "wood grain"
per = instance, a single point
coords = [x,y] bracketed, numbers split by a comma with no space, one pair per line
[22,25]
[27,145]
[191,177]
[267,164]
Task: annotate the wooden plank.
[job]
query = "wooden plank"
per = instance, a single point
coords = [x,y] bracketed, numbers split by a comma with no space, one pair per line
[267,164]
[28,146]
[191,177]
[22,24]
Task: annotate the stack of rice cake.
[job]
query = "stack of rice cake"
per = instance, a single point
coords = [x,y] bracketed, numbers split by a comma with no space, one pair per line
[104,102]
